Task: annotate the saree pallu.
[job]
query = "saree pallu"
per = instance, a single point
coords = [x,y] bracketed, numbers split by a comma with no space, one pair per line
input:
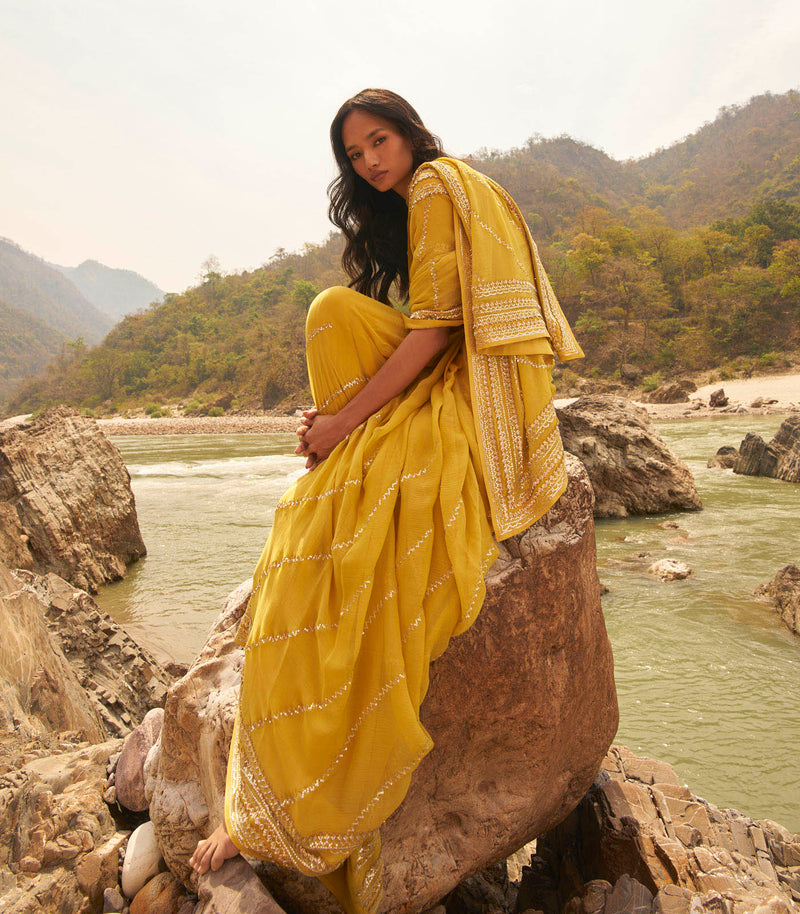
[375,561]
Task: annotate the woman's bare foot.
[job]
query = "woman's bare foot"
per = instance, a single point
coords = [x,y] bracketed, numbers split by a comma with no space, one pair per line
[213,851]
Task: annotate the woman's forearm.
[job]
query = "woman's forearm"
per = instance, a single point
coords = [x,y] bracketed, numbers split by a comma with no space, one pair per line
[398,371]
[321,433]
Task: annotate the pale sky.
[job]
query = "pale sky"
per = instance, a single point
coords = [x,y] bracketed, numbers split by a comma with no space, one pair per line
[151,134]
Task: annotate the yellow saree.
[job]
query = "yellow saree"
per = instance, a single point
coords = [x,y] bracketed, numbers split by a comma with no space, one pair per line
[377,558]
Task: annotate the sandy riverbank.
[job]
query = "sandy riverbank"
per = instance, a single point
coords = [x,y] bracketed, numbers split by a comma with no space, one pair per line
[741,393]
[198,425]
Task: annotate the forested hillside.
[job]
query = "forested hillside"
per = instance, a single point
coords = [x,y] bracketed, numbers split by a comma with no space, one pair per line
[26,344]
[686,259]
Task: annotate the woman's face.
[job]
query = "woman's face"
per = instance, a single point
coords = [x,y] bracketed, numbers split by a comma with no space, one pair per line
[379,153]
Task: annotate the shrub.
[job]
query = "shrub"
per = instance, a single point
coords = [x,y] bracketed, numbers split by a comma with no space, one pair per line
[216,411]
[152,408]
[651,382]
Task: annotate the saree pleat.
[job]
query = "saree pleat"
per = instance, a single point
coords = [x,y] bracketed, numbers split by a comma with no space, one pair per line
[375,561]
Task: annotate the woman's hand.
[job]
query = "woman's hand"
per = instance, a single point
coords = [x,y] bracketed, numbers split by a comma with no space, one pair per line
[319,435]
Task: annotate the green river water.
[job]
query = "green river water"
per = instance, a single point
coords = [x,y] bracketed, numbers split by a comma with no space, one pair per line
[708,679]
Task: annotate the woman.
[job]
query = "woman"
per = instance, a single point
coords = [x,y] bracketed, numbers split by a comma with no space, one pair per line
[433,433]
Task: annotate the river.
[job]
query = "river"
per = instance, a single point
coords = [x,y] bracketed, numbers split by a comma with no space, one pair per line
[707,677]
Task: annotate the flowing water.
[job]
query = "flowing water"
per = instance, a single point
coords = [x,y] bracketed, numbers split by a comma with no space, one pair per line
[708,679]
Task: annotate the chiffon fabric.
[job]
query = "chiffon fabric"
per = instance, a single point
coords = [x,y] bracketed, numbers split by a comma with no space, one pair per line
[375,561]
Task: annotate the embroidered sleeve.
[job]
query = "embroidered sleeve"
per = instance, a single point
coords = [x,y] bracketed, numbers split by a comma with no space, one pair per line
[434,286]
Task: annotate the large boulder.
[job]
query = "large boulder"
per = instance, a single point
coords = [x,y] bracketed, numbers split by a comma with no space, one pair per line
[779,459]
[640,841]
[521,708]
[66,503]
[632,470]
[783,591]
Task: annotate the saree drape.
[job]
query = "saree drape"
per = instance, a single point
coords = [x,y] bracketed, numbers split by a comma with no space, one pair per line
[375,561]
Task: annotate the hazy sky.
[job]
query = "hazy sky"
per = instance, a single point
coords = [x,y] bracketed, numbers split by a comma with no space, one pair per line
[153,133]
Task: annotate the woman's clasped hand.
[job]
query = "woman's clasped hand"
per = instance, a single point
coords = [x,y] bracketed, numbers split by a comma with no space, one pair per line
[318,435]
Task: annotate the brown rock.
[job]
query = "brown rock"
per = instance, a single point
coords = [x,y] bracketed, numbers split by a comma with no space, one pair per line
[130,767]
[123,681]
[39,690]
[113,902]
[717,398]
[540,682]
[783,591]
[725,458]
[779,459]
[67,505]
[631,826]
[234,889]
[163,894]
[674,392]
[631,469]
[55,826]
[98,871]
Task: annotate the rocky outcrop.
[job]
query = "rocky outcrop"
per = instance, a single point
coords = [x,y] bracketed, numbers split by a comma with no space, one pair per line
[674,392]
[779,459]
[39,690]
[68,674]
[640,841]
[122,680]
[521,709]
[66,504]
[632,470]
[59,845]
[783,591]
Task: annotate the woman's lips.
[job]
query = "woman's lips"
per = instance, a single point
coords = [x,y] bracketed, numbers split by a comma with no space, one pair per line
[378,176]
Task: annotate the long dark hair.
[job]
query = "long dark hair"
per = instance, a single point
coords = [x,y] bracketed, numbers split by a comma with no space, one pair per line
[374,223]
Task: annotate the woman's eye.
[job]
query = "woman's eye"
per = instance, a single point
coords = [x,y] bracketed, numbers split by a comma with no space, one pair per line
[354,156]
[379,139]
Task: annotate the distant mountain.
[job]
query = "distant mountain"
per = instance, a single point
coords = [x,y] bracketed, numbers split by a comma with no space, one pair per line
[748,154]
[30,285]
[114,292]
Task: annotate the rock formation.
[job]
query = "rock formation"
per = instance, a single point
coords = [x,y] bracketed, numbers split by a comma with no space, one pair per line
[642,842]
[674,392]
[717,398]
[521,708]
[121,679]
[66,504]
[39,690]
[783,591]
[59,845]
[68,675]
[780,459]
[631,469]
[725,458]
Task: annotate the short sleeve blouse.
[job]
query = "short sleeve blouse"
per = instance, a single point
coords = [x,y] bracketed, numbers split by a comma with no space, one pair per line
[434,284]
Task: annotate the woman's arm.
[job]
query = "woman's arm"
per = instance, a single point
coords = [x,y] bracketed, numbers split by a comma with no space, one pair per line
[319,435]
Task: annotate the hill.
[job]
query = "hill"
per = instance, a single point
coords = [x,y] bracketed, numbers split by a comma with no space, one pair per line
[114,292]
[27,345]
[686,259]
[31,286]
